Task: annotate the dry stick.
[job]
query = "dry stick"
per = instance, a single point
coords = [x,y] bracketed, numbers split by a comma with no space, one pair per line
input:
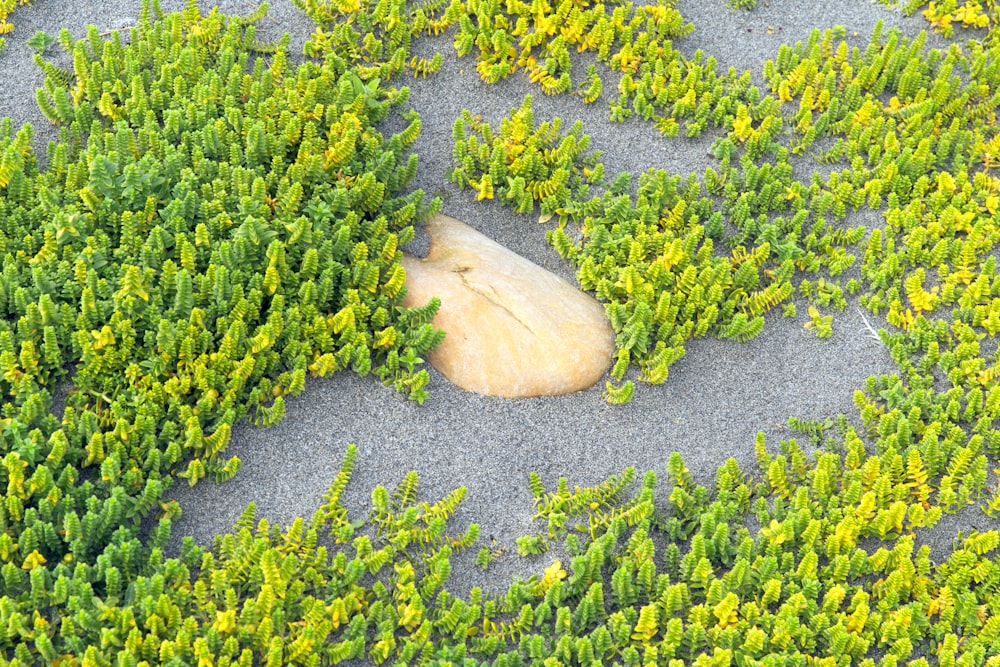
[873,333]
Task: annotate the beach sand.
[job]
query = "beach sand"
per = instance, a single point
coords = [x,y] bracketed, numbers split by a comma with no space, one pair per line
[717,398]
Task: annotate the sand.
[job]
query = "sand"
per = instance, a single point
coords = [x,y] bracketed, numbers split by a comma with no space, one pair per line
[717,398]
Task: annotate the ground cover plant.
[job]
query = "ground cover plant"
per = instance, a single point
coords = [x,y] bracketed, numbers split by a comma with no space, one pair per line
[945,16]
[6,7]
[213,224]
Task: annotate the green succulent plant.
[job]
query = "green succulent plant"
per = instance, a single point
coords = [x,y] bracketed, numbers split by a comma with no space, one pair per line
[208,231]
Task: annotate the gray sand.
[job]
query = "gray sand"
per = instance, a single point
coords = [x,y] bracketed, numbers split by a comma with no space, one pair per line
[714,402]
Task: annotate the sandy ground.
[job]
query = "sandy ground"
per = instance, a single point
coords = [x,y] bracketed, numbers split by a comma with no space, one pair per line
[715,401]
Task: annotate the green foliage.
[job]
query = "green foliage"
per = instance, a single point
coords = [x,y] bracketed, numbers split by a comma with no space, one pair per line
[523,164]
[40,41]
[207,232]
[900,157]
[647,257]
[592,88]
[831,571]
[945,15]
[262,594]
[372,39]
[488,554]
[537,36]
[822,325]
[6,8]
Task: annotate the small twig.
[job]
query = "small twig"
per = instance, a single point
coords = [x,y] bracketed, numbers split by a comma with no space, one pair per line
[98,394]
[872,332]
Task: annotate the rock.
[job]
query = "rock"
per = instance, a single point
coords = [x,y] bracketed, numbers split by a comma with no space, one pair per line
[512,328]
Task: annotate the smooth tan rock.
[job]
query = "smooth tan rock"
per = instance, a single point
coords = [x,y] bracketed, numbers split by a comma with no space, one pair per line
[512,328]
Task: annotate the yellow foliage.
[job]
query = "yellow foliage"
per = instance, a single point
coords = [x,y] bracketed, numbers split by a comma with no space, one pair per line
[225,622]
[784,94]
[5,10]
[33,560]
[411,615]
[348,6]
[939,21]
[945,181]
[103,338]
[742,124]
[970,14]
[901,319]
[920,298]
[552,574]
[484,187]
